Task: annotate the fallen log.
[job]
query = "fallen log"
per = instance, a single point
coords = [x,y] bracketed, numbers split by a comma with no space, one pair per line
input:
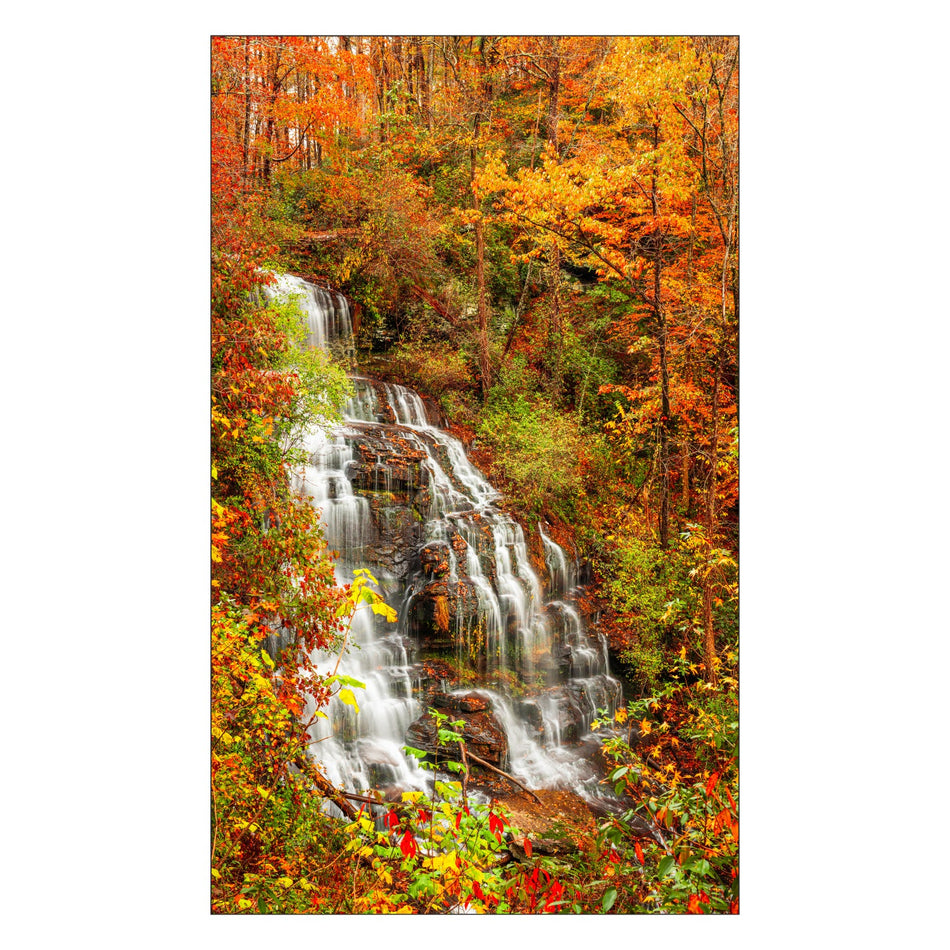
[321,236]
[511,778]
[435,304]
[548,847]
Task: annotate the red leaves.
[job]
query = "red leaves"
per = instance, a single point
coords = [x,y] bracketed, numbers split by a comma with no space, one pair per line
[408,845]
[496,825]
[639,851]
[528,847]
[555,893]
[711,783]
[392,819]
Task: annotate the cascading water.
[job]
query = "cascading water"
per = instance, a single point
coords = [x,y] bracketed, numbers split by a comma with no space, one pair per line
[479,631]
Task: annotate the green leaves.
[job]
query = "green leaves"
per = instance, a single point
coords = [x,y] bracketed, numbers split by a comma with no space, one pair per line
[346,694]
[344,680]
[610,897]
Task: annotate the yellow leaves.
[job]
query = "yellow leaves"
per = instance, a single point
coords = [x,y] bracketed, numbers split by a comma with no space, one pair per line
[346,696]
[243,903]
[442,862]
[219,733]
[382,608]
[645,727]
[285,882]
[620,715]
[215,873]
[263,792]
[468,216]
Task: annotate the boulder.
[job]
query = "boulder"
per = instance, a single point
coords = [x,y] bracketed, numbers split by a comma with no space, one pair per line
[443,614]
[483,734]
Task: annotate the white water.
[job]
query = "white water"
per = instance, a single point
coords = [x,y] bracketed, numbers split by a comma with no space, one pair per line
[525,629]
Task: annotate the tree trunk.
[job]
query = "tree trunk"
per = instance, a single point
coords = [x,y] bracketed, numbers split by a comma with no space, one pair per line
[685,481]
[708,627]
[660,316]
[709,639]
[664,408]
[556,332]
[246,133]
[554,89]
[483,356]
[483,95]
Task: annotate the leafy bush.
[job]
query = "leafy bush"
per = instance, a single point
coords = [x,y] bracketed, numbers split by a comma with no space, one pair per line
[537,450]
[690,802]
[650,591]
[433,369]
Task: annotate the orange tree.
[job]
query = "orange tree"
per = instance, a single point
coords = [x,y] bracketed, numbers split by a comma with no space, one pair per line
[271,572]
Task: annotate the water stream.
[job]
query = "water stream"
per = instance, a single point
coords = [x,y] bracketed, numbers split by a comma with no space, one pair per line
[483,627]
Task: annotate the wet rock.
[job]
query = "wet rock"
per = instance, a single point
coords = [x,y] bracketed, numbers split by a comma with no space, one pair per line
[433,411]
[461,702]
[530,713]
[444,614]
[483,734]
[571,713]
[434,559]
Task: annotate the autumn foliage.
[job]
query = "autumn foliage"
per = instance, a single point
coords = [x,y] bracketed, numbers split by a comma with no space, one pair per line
[542,233]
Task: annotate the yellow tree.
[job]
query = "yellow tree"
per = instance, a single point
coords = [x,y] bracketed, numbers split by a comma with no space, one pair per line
[617,201]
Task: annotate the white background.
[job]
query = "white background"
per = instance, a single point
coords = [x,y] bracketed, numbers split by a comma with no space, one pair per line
[105,472]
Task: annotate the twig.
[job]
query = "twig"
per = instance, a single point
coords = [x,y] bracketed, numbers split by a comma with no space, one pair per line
[510,778]
[465,776]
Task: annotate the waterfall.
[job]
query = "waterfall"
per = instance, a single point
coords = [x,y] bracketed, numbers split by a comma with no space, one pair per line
[329,326]
[480,628]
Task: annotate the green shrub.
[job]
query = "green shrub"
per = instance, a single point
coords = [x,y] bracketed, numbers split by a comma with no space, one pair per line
[536,449]
[649,588]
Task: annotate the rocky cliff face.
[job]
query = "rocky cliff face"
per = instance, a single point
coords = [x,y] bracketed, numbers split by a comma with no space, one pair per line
[486,632]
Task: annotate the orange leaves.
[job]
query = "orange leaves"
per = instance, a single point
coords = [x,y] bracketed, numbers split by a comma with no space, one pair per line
[697,902]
